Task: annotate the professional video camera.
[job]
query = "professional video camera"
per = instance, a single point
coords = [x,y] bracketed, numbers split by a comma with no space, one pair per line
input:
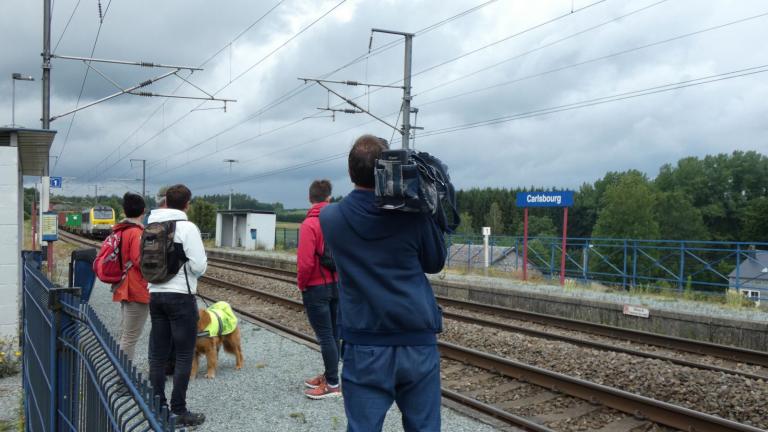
[416,182]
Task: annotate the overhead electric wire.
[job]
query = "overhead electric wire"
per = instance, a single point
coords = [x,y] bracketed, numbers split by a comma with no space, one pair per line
[294,36]
[522,32]
[162,105]
[529,114]
[605,99]
[63,32]
[572,65]
[302,87]
[82,87]
[432,27]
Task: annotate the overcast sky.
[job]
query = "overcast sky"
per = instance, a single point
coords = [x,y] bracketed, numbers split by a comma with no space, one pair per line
[279,153]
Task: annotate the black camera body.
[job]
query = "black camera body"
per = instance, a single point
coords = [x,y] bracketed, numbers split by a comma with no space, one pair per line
[416,182]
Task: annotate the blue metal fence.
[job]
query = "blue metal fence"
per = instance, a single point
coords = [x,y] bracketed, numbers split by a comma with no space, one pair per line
[666,265]
[698,266]
[75,377]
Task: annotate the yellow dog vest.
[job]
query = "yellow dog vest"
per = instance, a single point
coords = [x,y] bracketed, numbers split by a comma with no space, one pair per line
[223,320]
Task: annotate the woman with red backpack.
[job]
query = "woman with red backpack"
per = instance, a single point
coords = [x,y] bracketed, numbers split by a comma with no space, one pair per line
[131,292]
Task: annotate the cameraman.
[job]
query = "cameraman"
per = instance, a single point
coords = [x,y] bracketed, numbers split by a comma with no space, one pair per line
[389,315]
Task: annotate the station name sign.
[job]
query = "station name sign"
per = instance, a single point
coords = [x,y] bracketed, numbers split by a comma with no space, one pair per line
[545,199]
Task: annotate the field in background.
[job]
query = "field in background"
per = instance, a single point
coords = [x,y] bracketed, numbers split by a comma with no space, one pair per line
[289,225]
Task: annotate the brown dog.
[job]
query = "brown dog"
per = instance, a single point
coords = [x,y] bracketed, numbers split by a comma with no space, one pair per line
[209,343]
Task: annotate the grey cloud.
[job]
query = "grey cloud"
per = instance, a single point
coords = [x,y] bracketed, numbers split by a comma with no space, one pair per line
[562,149]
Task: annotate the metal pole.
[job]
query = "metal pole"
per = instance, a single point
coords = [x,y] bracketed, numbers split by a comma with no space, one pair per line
[46,64]
[407,91]
[565,236]
[46,124]
[33,214]
[485,253]
[13,102]
[231,189]
[525,244]
[143,177]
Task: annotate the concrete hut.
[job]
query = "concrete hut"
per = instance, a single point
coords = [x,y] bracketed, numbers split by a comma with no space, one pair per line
[247,229]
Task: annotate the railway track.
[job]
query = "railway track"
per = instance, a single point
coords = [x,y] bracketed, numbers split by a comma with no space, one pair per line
[678,344]
[550,385]
[701,348]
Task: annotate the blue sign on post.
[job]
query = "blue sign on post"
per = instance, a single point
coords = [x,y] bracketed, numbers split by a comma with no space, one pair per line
[545,199]
[55,182]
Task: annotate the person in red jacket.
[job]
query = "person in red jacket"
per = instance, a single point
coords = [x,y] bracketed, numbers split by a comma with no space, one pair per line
[131,292]
[319,293]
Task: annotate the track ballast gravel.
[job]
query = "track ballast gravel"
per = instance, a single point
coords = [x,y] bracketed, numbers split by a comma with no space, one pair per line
[728,396]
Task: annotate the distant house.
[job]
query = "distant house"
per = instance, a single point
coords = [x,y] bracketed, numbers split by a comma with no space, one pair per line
[751,277]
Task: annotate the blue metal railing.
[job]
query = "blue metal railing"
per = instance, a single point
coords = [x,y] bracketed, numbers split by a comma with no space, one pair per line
[697,266]
[75,376]
[667,265]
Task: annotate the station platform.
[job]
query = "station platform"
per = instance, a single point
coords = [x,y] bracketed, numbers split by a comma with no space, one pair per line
[267,394]
[745,328]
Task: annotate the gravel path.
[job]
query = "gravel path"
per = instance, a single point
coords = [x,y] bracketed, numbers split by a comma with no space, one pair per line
[267,394]
[736,398]
[10,401]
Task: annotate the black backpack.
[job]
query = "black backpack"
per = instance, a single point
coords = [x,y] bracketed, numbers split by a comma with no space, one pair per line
[416,182]
[161,257]
[326,259]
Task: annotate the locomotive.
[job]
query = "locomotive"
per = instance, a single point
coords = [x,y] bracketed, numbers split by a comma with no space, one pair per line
[93,222]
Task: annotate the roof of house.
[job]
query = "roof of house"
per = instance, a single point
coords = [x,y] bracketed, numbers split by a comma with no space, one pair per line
[755,267]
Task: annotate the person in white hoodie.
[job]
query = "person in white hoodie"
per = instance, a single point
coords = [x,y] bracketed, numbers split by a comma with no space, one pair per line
[173,308]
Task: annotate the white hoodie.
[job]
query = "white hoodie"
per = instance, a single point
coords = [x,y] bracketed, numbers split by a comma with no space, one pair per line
[188,235]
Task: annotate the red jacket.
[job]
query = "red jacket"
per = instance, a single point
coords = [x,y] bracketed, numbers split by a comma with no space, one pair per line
[310,272]
[133,288]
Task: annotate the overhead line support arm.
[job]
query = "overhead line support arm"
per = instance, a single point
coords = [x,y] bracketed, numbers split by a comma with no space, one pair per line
[350,101]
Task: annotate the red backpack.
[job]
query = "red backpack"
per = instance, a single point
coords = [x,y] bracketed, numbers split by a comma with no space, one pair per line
[108,264]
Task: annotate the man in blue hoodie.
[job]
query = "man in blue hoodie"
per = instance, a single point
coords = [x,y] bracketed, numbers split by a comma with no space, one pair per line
[389,315]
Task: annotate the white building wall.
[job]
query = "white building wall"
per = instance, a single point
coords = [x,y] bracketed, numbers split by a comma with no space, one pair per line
[11,226]
[218,229]
[264,224]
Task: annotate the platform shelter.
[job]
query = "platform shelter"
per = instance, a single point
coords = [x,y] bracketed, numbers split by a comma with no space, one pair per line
[23,152]
[247,229]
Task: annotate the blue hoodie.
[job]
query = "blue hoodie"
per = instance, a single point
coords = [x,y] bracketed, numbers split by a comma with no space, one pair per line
[381,257]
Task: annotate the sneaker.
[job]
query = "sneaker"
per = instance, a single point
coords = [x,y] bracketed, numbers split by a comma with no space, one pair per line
[323,391]
[190,419]
[315,382]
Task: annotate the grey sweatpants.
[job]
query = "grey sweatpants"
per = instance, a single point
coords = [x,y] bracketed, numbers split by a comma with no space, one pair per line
[134,315]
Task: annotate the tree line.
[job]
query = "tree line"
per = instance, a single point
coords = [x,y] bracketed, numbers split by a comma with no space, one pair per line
[720,197]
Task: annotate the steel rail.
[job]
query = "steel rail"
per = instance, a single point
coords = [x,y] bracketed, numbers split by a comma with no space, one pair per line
[679,344]
[727,352]
[514,329]
[479,406]
[596,345]
[633,404]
